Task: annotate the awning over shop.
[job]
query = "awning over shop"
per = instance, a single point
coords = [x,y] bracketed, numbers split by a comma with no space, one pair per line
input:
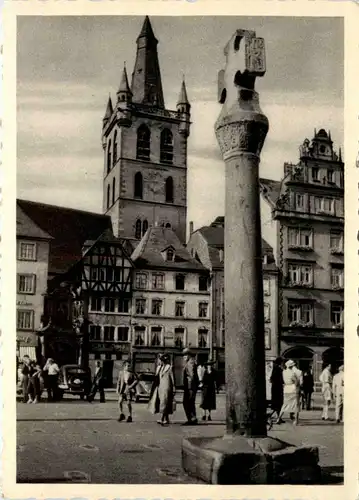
[27,350]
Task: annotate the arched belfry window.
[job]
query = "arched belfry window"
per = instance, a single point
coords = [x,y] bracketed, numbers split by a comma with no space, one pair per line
[166,146]
[108,195]
[169,189]
[138,229]
[113,190]
[115,148]
[109,156]
[143,143]
[138,188]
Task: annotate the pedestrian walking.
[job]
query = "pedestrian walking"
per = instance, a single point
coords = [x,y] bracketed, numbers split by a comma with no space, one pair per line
[209,387]
[326,378]
[126,383]
[52,370]
[338,393]
[163,391]
[97,384]
[307,389]
[291,392]
[276,380]
[190,387]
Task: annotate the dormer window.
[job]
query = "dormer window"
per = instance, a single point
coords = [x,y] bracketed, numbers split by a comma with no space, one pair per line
[170,255]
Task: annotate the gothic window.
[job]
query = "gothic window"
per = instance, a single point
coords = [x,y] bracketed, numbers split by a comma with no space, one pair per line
[169,190]
[166,147]
[113,190]
[115,148]
[143,143]
[138,185]
[109,156]
[138,230]
[108,195]
[144,227]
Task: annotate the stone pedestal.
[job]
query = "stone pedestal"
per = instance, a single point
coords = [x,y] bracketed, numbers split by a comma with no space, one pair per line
[245,455]
[240,460]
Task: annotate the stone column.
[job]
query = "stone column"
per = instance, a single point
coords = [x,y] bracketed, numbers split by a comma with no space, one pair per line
[241,130]
[245,454]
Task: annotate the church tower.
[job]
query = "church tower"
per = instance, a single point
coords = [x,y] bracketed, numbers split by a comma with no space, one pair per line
[145,150]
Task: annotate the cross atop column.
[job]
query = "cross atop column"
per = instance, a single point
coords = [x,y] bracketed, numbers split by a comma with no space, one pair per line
[245,61]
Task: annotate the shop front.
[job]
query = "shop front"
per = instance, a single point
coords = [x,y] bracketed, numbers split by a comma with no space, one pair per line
[112,356]
[27,344]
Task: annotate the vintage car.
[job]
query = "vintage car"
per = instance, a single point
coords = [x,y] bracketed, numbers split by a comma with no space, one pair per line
[74,380]
[143,388]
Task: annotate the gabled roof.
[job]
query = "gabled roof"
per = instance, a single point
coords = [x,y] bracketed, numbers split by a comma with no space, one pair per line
[271,190]
[214,236]
[25,227]
[155,241]
[69,228]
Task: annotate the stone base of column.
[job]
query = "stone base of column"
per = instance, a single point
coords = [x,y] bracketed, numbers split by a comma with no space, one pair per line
[235,459]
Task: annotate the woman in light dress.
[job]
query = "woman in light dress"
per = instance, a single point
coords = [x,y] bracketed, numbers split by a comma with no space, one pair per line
[326,378]
[163,391]
[291,392]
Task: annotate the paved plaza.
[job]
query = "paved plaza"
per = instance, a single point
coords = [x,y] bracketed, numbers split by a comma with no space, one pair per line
[77,441]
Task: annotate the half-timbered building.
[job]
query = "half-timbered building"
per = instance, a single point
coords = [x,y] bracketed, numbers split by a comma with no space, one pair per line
[93,303]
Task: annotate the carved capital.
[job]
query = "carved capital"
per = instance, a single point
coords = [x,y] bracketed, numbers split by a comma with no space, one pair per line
[246,136]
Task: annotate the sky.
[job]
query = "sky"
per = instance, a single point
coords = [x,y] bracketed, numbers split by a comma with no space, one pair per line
[67,67]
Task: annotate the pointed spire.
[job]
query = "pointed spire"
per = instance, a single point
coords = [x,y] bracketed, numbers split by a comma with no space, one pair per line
[183,99]
[147,30]
[146,82]
[109,110]
[124,86]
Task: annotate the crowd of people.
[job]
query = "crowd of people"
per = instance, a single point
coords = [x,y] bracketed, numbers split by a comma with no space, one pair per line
[33,379]
[292,390]
[162,395]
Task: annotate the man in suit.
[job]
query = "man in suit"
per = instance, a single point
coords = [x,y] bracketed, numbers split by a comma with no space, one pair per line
[190,387]
[127,381]
[97,384]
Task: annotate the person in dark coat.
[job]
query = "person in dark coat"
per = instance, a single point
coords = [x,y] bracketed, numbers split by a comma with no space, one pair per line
[190,387]
[26,372]
[307,389]
[276,380]
[209,386]
[97,384]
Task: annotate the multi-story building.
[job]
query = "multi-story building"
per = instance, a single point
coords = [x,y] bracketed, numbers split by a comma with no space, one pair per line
[32,268]
[171,301]
[67,230]
[303,220]
[207,246]
[145,150]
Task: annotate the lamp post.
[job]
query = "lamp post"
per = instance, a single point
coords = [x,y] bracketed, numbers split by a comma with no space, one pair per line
[245,455]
